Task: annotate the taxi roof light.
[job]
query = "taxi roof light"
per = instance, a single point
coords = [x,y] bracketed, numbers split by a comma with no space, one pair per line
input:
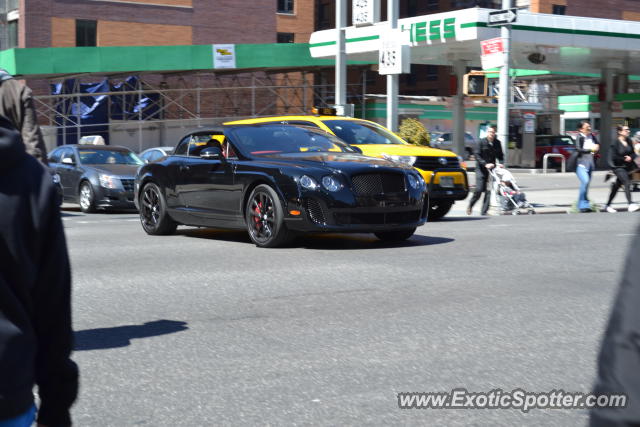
[324,111]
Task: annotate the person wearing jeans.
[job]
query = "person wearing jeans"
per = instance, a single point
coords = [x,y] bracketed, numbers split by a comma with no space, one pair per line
[587,146]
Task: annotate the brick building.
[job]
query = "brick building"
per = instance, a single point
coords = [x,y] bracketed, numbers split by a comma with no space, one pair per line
[57,23]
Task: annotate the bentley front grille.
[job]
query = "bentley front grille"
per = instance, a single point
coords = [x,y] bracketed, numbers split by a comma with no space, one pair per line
[372,184]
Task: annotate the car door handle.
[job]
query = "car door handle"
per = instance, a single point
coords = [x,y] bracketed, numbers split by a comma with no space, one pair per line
[184,168]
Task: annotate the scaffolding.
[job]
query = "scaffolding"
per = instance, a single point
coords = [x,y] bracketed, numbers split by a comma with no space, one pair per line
[183,101]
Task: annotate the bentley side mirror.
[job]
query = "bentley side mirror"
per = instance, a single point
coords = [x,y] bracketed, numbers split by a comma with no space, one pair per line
[68,161]
[211,153]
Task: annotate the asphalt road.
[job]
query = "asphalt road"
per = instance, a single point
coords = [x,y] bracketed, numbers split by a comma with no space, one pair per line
[203,328]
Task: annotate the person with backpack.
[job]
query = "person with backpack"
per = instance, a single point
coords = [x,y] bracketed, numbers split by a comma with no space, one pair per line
[36,337]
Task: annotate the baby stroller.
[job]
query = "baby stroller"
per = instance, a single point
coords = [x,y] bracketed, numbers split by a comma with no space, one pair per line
[510,199]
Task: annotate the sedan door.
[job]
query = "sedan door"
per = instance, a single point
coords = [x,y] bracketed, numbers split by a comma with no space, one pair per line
[69,172]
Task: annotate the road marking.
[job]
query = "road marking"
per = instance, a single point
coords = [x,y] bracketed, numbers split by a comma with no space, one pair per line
[625,235]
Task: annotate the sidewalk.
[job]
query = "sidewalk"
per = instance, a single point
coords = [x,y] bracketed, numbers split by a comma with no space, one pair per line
[552,193]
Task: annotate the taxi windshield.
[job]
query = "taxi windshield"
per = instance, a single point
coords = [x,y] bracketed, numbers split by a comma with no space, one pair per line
[361,132]
[279,138]
[109,157]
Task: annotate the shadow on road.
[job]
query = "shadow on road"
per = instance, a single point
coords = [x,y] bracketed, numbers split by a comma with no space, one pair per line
[239,236]
[318,240]
[121,336]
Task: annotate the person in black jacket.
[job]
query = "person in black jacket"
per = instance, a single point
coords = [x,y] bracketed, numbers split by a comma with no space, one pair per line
[619,359]
[487,153]
[36,338]
[621,162]
[587,146]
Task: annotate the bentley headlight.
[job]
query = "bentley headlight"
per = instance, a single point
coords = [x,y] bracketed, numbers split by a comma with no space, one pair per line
[308,183]
[331,183]
[415,181]
[56,178]
[409,160]
[108,181]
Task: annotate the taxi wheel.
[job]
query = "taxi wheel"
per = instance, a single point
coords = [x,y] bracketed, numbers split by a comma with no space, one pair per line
[153,212]
[395,236]
[87,198]
[438,209]
[264,218]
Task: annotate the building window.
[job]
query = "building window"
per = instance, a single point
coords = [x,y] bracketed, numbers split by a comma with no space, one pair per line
[285,37]
[433,4]
[85,32]
[285,6]
[559,9]
[431,72]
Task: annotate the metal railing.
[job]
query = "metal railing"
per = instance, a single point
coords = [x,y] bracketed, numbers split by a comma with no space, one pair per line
[545,160]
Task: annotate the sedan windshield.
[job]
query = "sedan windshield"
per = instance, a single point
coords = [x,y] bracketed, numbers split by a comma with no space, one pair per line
[109,157]
[279,138]
[357,132]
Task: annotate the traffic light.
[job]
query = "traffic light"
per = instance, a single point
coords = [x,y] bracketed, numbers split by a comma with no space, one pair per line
[475,85]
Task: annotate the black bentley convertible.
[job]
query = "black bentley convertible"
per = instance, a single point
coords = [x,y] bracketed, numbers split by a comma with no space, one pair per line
[276,180]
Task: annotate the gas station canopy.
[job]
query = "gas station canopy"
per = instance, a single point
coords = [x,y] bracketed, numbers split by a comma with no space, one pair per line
[538,41]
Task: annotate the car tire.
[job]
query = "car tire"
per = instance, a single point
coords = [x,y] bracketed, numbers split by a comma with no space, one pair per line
[395,236]
[153,212]
[264,218]
[86,197]
[438,209]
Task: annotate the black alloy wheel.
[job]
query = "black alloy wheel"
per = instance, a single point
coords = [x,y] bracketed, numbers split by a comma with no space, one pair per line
[395,236]
[153,212]
[86,198]
[265,219]
[438,209]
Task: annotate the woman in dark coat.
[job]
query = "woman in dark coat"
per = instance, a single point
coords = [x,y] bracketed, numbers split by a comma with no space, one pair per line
[621,157]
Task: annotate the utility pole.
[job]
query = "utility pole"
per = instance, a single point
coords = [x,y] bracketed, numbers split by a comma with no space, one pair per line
[341,55]
[393,10]
[505,87]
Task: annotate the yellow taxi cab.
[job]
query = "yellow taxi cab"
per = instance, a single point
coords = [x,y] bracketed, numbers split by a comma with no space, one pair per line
[441,169]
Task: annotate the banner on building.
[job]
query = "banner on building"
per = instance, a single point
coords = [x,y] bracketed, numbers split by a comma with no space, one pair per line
[224,56]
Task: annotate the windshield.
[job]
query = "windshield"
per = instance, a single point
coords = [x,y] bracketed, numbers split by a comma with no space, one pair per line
[361,132]
[108,157]
[279,138]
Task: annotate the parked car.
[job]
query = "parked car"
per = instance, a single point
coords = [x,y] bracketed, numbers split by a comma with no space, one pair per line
[559,144]
[441,169]
[155,153]
[275,180]
[96,176]
[444,140]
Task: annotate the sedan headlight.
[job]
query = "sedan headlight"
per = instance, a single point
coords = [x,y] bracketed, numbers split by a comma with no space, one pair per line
[331,183]
[415,181]
[409,160]
[308,183]
[56,178]
[108,181]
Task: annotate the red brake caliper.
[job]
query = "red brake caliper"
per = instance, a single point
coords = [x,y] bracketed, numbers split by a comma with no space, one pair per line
[257,219]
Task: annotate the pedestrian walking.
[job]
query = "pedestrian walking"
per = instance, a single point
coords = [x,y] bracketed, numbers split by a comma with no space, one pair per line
[621,162]
[35,293]
[487,153]
[619,359]
[16,104]
[587,146]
